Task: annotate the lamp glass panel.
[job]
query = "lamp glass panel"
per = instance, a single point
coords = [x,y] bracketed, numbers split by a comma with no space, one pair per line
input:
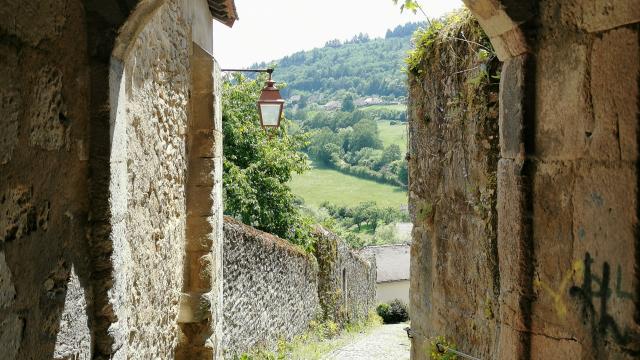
[270,114]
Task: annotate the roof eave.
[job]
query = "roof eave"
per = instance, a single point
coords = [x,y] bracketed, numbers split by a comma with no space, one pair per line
[223,11]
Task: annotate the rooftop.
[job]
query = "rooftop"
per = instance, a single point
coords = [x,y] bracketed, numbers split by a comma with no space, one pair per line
[223,11]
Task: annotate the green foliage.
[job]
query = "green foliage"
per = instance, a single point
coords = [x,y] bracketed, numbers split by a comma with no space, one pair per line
[364,135]
[436,354]
[258,167]
[410,5]
[347,104]
[344,68]
[394,312]
[362,225]
[366,213]
[351,143]
[454,29]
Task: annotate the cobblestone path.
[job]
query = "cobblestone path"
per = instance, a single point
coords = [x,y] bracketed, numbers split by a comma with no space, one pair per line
[388,342]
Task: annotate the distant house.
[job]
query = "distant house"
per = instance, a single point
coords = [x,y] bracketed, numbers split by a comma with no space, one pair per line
[373,101]
[392,262]
[332,105]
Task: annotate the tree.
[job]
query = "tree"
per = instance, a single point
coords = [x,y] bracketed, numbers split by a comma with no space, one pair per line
[257,167]
[391,153]
[347,104]
[365,134]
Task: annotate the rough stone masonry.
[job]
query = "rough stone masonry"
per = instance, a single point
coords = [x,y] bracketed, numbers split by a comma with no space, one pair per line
[273,289]
[567,247]
[109,130]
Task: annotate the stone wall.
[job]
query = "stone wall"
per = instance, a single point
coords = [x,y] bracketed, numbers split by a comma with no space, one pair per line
[270,289]
[453,124]
[273,290]
[346,281]
[45,298]
[567,203]
[96,147]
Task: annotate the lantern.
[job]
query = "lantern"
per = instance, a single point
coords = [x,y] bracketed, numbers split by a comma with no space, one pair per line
[270,105]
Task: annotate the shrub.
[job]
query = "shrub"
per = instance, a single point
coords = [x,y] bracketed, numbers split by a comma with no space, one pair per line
[394,312]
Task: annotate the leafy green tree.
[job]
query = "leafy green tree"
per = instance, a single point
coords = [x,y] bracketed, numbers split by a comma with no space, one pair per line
[391,153]
[365,134]
[258,166]
[324,144]
[347,104]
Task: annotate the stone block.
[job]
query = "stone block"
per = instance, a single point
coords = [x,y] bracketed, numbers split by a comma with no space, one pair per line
[199,231]
[509,44]
[18,215]
[199,201]
[200,269]
[11,329]
[48,122]
[561,102]
[615,63]
[10,104]
[510,343]
[34,22]
[512,97]
[553,241]
[206,143]
[7,289]
[549,347]
[605,223]
[195,307]
[605,203]
[511,231]
[201,171]
[202,116]
[599,15]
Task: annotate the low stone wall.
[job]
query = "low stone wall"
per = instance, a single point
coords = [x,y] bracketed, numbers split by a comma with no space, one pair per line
[272,289]
[347,281]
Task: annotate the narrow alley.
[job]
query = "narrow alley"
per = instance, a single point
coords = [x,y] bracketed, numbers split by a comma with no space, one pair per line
[385,342]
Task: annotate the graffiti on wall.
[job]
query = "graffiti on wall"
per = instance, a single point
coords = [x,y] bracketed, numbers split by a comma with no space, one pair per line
[594,294]
[559,294]
[593,290]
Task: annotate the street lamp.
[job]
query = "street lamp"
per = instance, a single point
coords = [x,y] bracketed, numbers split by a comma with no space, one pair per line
[270,103]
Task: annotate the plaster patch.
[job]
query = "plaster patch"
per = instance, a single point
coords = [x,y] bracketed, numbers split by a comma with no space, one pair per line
[49,125]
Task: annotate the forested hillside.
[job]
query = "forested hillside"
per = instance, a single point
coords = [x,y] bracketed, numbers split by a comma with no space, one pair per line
[359,68]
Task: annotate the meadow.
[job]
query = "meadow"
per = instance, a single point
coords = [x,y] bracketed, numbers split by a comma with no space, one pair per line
[322,184]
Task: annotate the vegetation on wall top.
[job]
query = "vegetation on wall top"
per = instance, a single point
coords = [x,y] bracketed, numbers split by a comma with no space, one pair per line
[457,27]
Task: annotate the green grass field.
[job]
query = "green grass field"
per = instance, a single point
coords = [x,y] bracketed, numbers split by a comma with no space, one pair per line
[398,107]
[322,184]
[393,134]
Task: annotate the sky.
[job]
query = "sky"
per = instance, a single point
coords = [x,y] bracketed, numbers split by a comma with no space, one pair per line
[271,29]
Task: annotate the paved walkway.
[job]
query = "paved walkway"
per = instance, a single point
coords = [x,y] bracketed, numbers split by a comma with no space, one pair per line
[387,342]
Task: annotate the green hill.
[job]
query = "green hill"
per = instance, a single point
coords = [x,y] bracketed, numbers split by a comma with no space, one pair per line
[361,67]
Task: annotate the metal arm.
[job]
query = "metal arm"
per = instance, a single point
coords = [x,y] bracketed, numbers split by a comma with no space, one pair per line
[269,71]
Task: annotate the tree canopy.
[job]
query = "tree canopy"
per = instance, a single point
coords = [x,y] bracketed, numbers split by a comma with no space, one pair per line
[257,166]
